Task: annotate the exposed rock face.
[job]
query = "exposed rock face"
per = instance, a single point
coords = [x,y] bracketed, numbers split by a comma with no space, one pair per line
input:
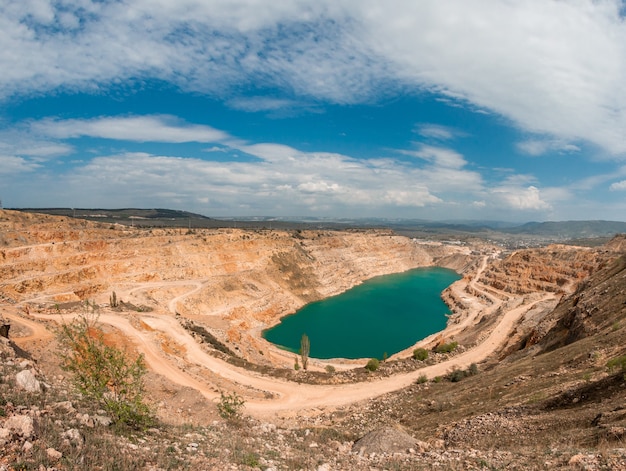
[556,268]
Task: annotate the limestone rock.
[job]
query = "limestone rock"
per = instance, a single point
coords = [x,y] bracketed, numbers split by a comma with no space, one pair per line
[26,380]
[73,436]
[53,454]
[21,425]
[387,440]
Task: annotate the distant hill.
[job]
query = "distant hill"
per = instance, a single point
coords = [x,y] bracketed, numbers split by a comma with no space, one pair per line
[570,229]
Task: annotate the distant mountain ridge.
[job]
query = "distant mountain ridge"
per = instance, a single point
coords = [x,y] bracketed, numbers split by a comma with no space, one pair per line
[553,230]
[570,228]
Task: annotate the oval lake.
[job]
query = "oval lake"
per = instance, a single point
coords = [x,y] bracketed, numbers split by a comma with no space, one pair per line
[385,314]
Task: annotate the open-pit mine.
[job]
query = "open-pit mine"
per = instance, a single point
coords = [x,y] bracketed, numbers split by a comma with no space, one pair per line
[194,302]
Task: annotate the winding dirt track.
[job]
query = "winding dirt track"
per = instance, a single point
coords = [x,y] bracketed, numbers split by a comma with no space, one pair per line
[286,397]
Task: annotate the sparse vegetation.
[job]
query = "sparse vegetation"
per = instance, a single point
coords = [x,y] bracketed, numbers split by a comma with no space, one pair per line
[230,405]
[296,365]
[372,364]
[103,373]
[617,362]
[422,379]
[330,369]
[420,354]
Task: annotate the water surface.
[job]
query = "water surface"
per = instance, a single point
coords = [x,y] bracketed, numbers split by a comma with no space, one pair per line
[383,315]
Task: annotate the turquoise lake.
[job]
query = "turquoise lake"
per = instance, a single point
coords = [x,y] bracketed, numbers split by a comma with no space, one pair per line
[383,315]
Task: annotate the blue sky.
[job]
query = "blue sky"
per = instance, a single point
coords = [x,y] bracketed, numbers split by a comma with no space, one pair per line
[488,109]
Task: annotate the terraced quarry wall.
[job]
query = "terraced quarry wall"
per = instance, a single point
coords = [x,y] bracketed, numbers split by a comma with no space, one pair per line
[234,282]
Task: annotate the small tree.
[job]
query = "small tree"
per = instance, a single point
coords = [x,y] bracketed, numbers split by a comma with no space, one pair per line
[296,365]
[372,364]
[103,373]
[230,405]
[305,349]
[113,300]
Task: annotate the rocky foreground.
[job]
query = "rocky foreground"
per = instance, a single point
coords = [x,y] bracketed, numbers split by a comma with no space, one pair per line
[543,398]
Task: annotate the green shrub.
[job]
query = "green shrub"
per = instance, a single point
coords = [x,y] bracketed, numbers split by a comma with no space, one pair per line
[330,369]
[103,373]
[372,364]
[437,379]
[446,347]
[230,405]
[422,379]
[420,354]
[456,375]
[472,370]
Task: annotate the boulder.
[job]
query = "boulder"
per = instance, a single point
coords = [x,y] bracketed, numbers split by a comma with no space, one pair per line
[21,425]
[26,380]
[387,440]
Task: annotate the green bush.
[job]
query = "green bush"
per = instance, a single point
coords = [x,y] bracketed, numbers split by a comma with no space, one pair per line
[103,373]
[472,370]
[456,375]
[420,354]
[446,347]
[372,364]
[422,379]
[330,369]
[230,405]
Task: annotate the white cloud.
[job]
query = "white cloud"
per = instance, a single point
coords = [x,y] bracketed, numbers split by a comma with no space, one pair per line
[134,128]
[440,156]
[11,164]
[537,147]
[552,67]
[278,176]
[437,132]
[618,186]
[519,198]
[261,103]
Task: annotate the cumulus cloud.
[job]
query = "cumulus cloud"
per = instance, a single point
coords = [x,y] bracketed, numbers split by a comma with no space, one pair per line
[551,67]
[519,198]
[618,186]
[272,179]
[276,178]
